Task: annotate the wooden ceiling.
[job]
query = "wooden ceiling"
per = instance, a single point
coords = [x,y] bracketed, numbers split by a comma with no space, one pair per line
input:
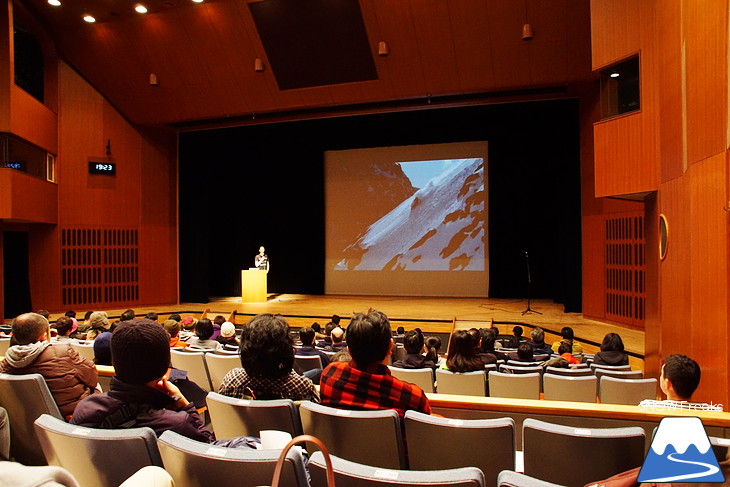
[203,54]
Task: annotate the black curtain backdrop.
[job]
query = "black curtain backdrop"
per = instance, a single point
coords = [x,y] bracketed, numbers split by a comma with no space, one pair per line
[264,185]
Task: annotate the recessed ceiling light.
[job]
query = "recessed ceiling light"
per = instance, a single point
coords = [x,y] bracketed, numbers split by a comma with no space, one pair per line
[90,19]
[55,3]
[140,8]
[614,75]
[198,1]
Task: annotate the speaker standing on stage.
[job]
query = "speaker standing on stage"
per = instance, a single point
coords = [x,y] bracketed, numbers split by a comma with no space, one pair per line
[262,260]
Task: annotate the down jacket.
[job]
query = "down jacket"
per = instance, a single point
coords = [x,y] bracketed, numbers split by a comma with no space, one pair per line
[69,376]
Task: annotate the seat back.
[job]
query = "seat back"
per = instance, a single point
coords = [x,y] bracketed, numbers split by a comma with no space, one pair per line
[516,386]
[86,350]
[195,464]
[508,478]
[626,391]
[307,362]
[347,432]
[466,383]
[595,366]
[25,397]
[423,378]
[441,443]
[576,456]
[521,369]
[219,365]
[352,474]
[619,374]
[572,372]
[233,417]
[100,457]
[563,388]
[194,364]
[4,345]
[720,447]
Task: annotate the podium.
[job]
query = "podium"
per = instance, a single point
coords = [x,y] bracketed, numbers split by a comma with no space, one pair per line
[253,286]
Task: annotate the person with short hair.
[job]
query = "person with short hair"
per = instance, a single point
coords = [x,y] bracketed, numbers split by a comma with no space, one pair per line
[338,343]
[524,352]
[413,343]
[366,382]
[306,336]
[679,380]
[69,376]
[326,341]
[128,315]
[63,327]
[152,316]
[267,360]
[203,340]
[612,351]
[516,338]
[539,347]
[567,336]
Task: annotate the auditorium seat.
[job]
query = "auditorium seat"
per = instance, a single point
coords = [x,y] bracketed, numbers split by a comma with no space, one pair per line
[619,374]
[516,386]
[576,456]
[508,478]
[563,388]
[99,457]
[4,345]
[194,364]
[195,464]
[368,437]
[233,417]
[466,383]
[352,474]
[86,350]
[451,449]
[571,372]
[626,391]
[219,365]
[720,446]
[423,378]
[595,366]
[307,362]
[521,369]
[25,397]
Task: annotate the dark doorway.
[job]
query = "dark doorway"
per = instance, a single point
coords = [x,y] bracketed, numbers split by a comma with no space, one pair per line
[15,274]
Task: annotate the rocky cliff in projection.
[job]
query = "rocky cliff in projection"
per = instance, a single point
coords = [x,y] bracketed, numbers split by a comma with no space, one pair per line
[441,227]
[385,188]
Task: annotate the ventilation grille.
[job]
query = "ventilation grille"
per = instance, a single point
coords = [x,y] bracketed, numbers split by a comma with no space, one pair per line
[99,266]
[625,270]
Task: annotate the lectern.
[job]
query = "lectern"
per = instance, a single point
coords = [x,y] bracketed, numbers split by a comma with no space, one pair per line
[253,286]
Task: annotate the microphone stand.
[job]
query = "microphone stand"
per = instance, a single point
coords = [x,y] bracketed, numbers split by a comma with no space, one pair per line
[529,285]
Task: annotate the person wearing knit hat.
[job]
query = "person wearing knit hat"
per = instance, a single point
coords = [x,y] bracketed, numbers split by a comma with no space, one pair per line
[228,334]
[172,328]
[99,321]
[140,395]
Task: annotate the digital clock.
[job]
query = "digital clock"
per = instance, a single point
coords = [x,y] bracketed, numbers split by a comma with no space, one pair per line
[107,168]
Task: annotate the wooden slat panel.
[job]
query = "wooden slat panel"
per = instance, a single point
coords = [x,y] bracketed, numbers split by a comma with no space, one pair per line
[626,160]
[707,78]
[594,279]
[709,276]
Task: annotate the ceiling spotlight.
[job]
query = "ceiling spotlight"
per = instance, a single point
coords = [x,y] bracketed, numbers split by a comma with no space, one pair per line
[614,75]
[89,18]
[198,1]
[140,8]
[55,3]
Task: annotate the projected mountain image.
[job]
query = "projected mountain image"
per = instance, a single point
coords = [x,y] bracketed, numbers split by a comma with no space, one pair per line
[680,451]
[441,227]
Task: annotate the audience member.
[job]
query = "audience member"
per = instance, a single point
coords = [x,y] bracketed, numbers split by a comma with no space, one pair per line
[188,325]
[152,316]
[539,347]
[679,380]
[228,335]
[612,351]
[172,328]
[44,313]
[564,350]
[516,338]
[317,331]
[337,335]
[433,346]
[202,340]
[127,315]
[567,337]
[102,349]
[86,325]
[336,320]
[175,317]
[399,335]
[462,356]
[306,336]
[524,352]
[267,358]
[63,327]
[99,322]
[69,376]
[487,352]
[327,339]
[366,382]
[72,314]
[413,343]
[217,323]
[341,356]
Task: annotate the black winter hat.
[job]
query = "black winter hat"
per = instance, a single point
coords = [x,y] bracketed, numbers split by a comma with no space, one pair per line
[140,351]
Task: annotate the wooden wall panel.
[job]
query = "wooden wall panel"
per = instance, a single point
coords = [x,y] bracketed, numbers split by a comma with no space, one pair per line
[27,198]
[615,28]
[709,276]
[626,159]
[594,277]
[33,121]
[707,77]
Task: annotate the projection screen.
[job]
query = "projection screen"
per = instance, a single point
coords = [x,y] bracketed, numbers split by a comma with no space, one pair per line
[407,220]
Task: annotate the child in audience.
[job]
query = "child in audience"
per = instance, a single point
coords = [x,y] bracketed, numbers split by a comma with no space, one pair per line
[612,351]
[462,356]
[525,353]
[433,346]
[564,350]
[204,332]
[413,343]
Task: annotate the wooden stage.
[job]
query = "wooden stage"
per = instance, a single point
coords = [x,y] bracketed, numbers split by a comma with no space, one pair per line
[432,315]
